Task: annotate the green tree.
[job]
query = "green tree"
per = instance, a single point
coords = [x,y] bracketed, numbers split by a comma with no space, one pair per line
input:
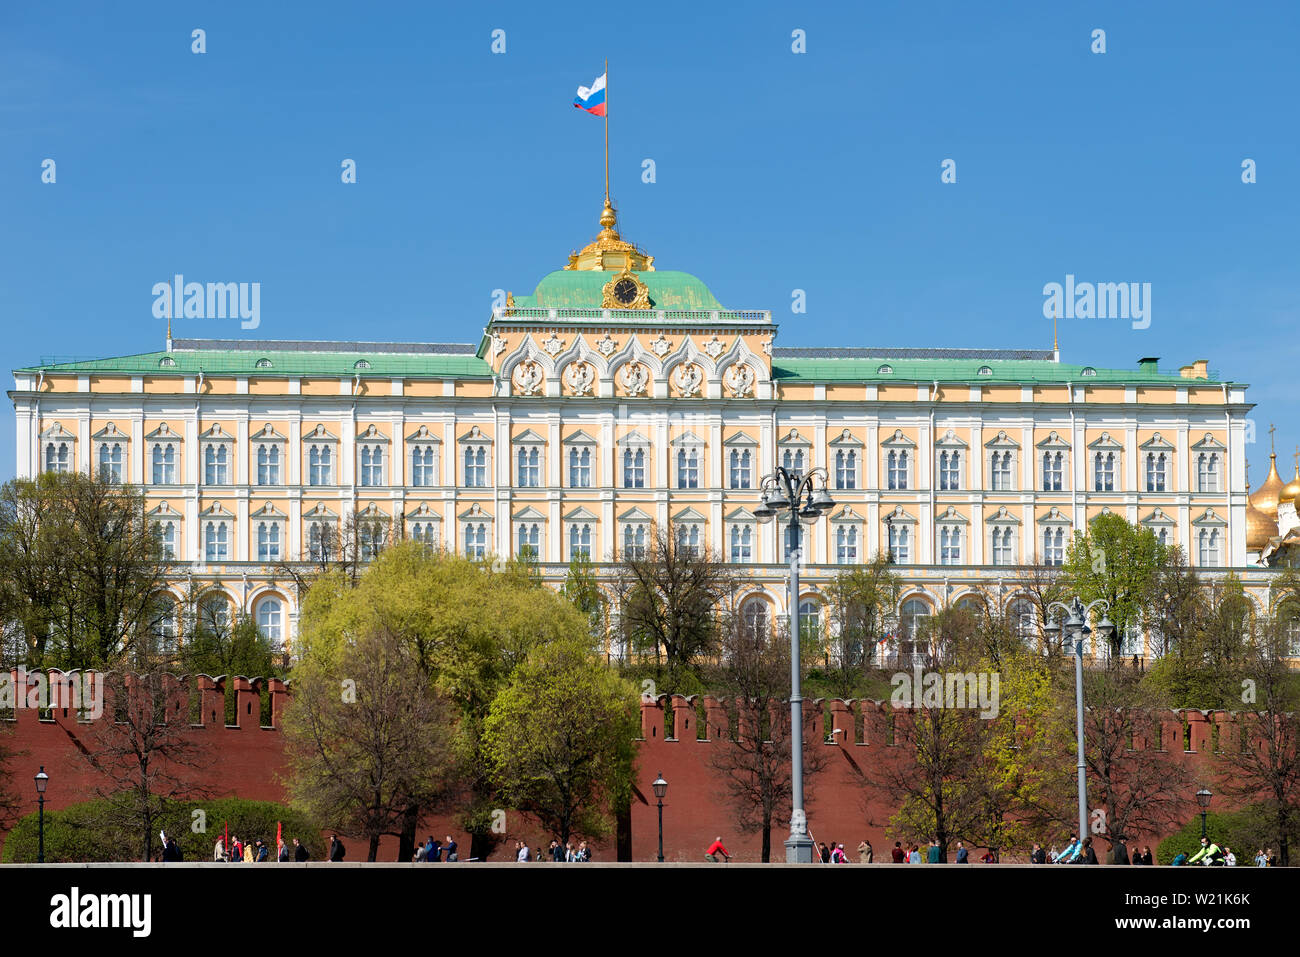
[1120,563]
[81,569]
[582,590]
[860,602]
[559,739]
[368,738]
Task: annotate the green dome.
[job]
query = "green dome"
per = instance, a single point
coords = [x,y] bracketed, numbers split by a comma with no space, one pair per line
[583,289]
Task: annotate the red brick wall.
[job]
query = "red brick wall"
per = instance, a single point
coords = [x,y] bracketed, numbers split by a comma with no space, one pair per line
[248,761]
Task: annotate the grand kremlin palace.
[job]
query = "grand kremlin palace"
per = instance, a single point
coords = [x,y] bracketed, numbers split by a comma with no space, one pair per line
[618,395]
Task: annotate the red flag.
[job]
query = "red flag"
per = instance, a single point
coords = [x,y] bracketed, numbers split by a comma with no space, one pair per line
[279,837]
[225,843]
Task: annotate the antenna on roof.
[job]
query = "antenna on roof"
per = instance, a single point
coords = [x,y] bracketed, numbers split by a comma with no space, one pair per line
[169,331]
[1056,343]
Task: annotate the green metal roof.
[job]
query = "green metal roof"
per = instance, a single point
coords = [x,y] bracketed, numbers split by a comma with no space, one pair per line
[1003,372]
[283,363]
[583,288]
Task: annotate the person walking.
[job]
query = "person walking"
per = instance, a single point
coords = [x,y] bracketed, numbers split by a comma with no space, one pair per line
[421,854]
[337,850]
[1038,855]
[450,849]
[236,850]
[962,856]
[1119,852]
[1260,859]
[715,849]
[283,856]
[864,852]
[1147,859]
[521,855]
[1229,858]
[299,852]
[219,852]
[914,856]
[897,853]
[935,853]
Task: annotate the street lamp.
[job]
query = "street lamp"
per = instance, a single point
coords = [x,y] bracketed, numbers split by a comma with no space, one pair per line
[806,498]
[660,788]
[1076,630]
[1203,799]
[42,779]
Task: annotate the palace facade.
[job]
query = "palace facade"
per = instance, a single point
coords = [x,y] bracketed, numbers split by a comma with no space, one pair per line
[618,395]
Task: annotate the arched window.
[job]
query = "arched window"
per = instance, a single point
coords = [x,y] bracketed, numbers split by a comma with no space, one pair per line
[897,470]
[810,622]
[634,541]
[949,471]
[1053,471]
[268,541]
[214,614]
[1156,463]
[1054,546]
[755,619]
[164,628]
[269,621]
[634,468]
[320,465]
[580,541]
[580,467]
[216,465]
[56,457]
[1023,619]
[740,468]
[846,545]
[912,620]
[1103,466]
[268,464]
[422,466]
[792,459]
[528,539]
[688,468]
[742,543]
[846,469]
[110,462]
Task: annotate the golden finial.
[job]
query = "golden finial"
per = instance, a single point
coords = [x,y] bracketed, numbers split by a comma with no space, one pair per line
[1056,343]
[169,333]
[608,219]
[1272,444]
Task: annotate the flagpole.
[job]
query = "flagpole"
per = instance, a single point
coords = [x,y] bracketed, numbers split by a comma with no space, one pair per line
[606,130]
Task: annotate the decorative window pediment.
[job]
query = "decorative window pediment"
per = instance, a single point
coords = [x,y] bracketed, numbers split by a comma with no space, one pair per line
[371,434]
[529,514]
[633,440]
[217,510]
[1105,441]
[794,439]
[1054,442]
[268,511]
[111,432]
[1158,517]
[425,512]
[164,432]
[475,434]
[950,440]
[1053,516]
[319,434]
[267,434]
[1157,443]
[475,512]
[578,438]
[950,516]
[528,437]
[741,514]
[1002,516]
[687,516]
[216,434]
[898,440]
[846,439]
[1210,518]
[897,515]
[634,515]
[56,431]
[740,439]
[1002,441]
[422,434]
[319,512]
[580,514]
[687,440]
[1208,441]
[163,510]
[846,514]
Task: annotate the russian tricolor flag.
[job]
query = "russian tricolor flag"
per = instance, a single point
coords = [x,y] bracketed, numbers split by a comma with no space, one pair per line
[592,99]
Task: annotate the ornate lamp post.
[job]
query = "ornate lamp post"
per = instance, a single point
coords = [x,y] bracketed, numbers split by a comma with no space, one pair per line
[1203,797]
[660,788]
[42,779]
[800,498]
[1076,630]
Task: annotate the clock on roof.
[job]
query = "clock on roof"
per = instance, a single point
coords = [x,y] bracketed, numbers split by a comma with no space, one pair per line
[626,291]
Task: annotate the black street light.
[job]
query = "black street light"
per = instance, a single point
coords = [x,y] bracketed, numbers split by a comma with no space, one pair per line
[1203,797]
[795,497]
[660,788]
[42,779]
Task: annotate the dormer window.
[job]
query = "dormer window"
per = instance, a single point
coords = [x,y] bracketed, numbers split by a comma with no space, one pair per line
[166,362]
[1088,371]
[985,370]
[885,370]
[262,364]
[361,364]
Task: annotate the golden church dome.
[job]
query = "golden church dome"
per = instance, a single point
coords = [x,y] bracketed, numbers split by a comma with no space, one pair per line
[1292,488]
[1270,492]
[610,252]
[1261,526]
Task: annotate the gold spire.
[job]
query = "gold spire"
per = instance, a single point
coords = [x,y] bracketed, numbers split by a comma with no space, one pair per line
[609,251]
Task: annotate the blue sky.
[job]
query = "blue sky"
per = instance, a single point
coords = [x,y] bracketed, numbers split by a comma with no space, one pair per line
[775,171]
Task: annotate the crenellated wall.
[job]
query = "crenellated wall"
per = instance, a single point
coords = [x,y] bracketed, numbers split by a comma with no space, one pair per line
[680,738]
